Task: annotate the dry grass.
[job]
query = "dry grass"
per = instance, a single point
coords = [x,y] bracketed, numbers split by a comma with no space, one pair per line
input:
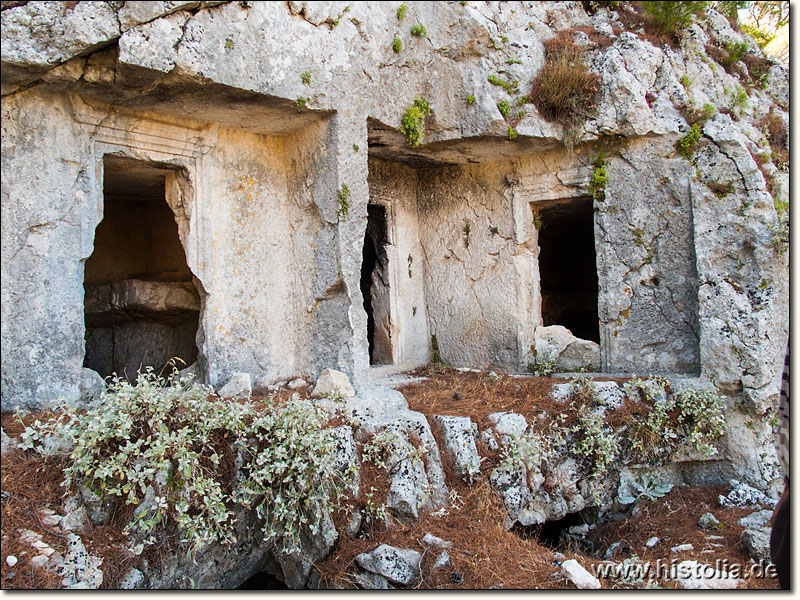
[674,519]
[564,91]
[484,556]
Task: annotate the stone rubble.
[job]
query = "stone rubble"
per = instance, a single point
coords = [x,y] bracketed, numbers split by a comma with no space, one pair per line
[331,381]
[693,575]
[577,574]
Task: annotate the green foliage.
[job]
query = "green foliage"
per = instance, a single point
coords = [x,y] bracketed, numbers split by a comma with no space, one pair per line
[687,143]
[397,44]
[672,16]
[685,82]
[538,222]
[762,38]
[401,12]
[504,107]
[509,86]
[161,444]
[527,448]
[300,102]
[780,231]
[343,196]
[597,186]
[229,44]
[356,147]
[418,29]
[437,357]
[413,121]
[736,50]
[638,236]
[645,488]
[305,77]
[389,447]
[513,61]
[470,99]
[543,367]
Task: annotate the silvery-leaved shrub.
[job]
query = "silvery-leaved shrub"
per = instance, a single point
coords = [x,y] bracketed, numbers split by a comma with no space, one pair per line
[160,444]
[292,480]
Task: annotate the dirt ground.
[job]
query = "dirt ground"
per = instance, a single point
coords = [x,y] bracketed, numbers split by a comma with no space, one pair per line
[484,555]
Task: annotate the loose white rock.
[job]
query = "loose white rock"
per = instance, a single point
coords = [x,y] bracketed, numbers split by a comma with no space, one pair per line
[582,579]
[431,540]
[11,560]
[296,384]
[681,548]
[708,521]
[331,381]
[756,519]
[442,561]
[652,542]
[238,386]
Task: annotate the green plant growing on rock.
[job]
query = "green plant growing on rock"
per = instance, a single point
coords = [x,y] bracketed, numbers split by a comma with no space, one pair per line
[504,107]
[685,82]
[397,44]
[436,359]
[686,145]
[413,121]
[229,44]
[597,185]
[161,444]
[527,449]
[673,16]
[509,86]
[418,29]
[471,99]
[305,77]
[401,12]
[300,102]
[543,367]
[638,236]
[736,51]
[645,488]
[343,197]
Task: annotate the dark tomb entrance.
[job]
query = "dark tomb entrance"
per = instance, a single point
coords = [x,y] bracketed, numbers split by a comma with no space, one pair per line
[141,307]
[375,286]
[568,268]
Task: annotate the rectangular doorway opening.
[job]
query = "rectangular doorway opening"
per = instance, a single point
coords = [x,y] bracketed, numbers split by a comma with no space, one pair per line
[375,286]
[568,267]
[141,307]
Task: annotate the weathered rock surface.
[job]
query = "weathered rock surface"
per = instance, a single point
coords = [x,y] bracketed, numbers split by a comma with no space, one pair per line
[459,435]
[332,381]
[570,353]
[578,575]
[398,565]
[238,386]
[755,541]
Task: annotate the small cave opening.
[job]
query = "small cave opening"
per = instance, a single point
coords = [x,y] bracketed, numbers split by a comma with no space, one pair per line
[263,580]
[554,534]
[375,286]
[141,307]
[568,267]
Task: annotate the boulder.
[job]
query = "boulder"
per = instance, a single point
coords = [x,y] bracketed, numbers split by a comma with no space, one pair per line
[238,386]
[81,570]
[508,425]
[398,565]
[756,541]
[583,580]
[571,353]
[708,521]
[7,443]
[458,436]
[331,381]
[759,518]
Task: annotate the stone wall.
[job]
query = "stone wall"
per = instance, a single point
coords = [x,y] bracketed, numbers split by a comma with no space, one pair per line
[262,112]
